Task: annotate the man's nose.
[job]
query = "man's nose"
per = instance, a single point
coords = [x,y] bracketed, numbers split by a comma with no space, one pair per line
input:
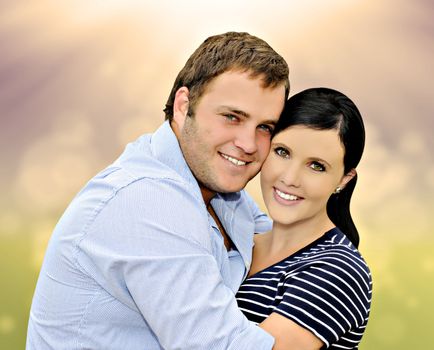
[246,139]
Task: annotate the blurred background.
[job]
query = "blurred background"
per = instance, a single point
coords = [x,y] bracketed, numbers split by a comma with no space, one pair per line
[81,78]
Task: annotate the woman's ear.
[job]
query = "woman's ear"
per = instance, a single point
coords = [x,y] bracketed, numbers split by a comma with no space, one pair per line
[180,106]
[347,178]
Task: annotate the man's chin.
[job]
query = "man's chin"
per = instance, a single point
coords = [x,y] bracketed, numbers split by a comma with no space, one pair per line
[224,185]
[232,187]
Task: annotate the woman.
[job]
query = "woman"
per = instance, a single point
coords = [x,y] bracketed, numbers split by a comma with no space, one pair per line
[308,285]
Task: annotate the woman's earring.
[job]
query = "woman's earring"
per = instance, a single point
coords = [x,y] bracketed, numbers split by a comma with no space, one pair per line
[337,190]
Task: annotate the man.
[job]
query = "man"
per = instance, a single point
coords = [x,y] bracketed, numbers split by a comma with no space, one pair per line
[151,251]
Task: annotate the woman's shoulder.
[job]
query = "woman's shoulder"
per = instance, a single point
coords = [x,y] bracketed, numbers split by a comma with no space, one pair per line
[334,259]
[337,263]
[338,247]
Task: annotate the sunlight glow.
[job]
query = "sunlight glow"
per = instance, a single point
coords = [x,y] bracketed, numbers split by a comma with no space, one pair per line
[191,12]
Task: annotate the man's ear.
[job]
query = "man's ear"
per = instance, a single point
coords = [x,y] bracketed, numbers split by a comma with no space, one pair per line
[347,178]
[180,106]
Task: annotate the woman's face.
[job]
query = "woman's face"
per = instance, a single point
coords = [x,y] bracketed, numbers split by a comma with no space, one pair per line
[301,172]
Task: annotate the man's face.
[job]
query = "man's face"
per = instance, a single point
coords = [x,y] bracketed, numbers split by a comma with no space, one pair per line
[228,138]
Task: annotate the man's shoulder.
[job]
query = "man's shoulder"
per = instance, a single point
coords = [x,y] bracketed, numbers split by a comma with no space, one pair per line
[136,179]
[117,199]
[151,157]
[120,175]
[142,185]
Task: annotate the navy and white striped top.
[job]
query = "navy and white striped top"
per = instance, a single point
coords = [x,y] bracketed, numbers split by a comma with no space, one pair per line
[325,287]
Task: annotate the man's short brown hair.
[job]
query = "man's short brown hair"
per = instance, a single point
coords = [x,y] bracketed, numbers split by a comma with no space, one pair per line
[225,52]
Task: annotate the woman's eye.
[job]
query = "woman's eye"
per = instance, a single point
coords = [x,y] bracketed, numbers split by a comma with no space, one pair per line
[281,152]
[317,166]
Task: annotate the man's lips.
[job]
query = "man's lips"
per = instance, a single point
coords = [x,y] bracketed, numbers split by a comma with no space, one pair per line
[235,161]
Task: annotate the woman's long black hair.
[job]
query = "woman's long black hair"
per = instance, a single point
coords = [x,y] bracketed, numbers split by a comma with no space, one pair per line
[324,109]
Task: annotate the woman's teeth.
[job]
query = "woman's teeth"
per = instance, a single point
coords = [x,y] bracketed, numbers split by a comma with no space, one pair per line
[286,196]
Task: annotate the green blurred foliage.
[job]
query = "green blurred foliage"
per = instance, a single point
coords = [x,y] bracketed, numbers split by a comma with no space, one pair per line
[401,315]
[18,282]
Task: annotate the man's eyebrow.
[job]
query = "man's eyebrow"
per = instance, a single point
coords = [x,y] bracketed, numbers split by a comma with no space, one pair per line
[234,110]
[244,114]
[270,121]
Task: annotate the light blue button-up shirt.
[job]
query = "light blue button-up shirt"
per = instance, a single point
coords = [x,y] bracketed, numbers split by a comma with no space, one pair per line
[136,261]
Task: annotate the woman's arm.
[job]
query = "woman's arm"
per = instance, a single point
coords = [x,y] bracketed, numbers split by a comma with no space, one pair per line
[289,335]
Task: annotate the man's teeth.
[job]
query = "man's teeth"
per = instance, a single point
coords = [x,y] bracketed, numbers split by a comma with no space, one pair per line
[233,160]
[288,197]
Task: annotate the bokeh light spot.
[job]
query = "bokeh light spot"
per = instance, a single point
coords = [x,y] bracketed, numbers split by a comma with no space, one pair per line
[7,324]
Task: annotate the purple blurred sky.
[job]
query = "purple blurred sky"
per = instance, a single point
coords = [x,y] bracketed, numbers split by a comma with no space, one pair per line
[79,79]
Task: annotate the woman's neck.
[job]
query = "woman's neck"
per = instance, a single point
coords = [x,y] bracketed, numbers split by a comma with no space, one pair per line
[292,238]
[284,240]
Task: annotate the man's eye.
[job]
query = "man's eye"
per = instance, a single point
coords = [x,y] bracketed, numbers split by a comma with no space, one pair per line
[281,152]
[317,166]
[267,128]
[231,117]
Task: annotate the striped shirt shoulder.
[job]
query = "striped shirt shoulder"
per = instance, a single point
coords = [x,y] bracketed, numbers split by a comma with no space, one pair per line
[325,287]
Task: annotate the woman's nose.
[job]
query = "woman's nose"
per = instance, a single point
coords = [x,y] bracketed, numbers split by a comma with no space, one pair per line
[291,175]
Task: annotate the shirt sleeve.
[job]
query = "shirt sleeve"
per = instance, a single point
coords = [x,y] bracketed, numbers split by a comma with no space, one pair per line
[150,248]
[329,298]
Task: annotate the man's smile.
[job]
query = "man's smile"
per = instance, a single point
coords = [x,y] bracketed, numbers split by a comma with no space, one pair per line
[233,160]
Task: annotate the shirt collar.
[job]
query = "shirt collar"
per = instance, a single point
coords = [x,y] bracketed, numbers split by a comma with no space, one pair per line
[238,224]
[165,147]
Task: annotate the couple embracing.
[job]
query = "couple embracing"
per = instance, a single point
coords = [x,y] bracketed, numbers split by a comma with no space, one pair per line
[165,250]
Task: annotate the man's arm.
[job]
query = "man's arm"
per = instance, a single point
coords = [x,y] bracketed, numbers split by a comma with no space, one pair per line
[150,248]
[290,335]
[262,222]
